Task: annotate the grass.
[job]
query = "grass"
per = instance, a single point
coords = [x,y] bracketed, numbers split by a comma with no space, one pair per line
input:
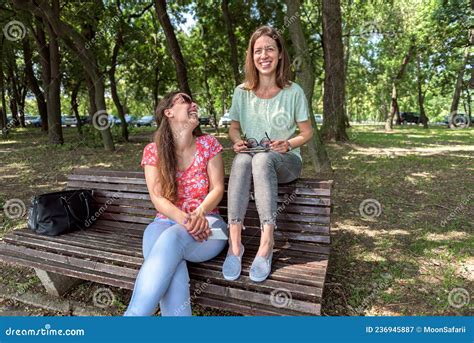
[406,261]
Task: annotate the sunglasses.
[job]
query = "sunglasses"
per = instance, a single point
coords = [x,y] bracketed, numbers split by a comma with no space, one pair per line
[181,98]
[254,145]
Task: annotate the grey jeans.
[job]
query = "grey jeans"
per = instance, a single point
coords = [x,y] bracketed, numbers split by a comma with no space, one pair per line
[267,169]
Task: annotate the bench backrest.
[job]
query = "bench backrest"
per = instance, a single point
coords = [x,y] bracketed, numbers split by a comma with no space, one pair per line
[304,206]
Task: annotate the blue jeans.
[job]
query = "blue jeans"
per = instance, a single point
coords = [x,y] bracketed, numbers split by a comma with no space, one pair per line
[163,277]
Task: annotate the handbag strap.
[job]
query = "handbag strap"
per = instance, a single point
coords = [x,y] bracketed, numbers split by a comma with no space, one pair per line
[81,195]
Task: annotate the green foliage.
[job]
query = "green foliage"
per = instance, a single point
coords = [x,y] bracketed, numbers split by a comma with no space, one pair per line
[376,37]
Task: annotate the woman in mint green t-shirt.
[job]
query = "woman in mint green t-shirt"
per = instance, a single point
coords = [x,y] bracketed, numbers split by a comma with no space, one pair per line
[267,106]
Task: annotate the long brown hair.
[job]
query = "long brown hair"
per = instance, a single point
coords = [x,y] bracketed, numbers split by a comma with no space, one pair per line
[282,72]
[164,140]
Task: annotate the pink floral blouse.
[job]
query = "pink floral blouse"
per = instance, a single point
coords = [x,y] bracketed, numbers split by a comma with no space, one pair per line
[193,183]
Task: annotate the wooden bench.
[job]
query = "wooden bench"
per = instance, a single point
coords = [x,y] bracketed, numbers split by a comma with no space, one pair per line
[110,251]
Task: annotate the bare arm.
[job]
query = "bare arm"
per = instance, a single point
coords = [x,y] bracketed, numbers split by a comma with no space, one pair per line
[162,205]
[215,172]
[199,224]
[306,133]
[234,135]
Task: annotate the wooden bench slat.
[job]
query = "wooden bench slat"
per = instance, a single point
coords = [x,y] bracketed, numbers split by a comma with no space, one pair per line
[251,213]
[263,299]
[23,259]
[73,250]
[140,175]
[314,201]
[248,309]
[93,248]
[100,228]
[121,187]
[82,243]
[297,227]
[130,207]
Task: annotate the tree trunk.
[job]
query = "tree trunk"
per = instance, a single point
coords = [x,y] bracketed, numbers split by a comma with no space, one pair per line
[395,109]
[421,97]
[347,55]
[33,82]
[55,132]
[14,96]
[334,127]
[43,50]
[209,102]
[156,83]
[3,112]
[173,46]
[92,108]
[232,41]
[467,105]
[113,86]
[457,90]
[75,106]
[22,90]
[306,78]
[77,44]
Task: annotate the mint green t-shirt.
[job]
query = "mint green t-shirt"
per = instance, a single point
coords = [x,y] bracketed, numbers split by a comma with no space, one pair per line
[276,116]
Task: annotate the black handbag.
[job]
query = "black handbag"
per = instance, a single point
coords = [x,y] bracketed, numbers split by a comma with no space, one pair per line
[57,213]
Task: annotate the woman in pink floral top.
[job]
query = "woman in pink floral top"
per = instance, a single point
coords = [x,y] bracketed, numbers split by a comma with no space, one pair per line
[184,173]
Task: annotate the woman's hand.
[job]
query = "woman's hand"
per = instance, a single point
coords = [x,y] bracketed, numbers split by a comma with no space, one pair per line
[198,226]
[280,146]
[239,146]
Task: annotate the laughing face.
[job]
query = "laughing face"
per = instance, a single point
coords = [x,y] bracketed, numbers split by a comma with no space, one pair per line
[266,55]
[184,110]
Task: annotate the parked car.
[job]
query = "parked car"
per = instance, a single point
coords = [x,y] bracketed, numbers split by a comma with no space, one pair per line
[460,120]
[410,117]
[36,122]
[225,120]
[146,121]
[68,121]
[318,118]
[29,119]
[85,120]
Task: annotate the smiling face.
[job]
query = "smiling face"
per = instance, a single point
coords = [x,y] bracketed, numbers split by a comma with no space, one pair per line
[266,55]
[183,111]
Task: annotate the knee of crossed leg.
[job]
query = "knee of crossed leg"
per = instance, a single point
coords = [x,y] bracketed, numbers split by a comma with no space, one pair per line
[172,239]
